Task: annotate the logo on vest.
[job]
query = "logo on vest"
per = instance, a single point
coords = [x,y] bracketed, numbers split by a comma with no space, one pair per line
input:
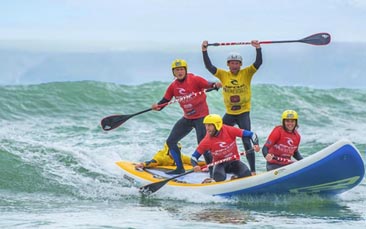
[290,142]
[234,82]
[181,91]
[222,144]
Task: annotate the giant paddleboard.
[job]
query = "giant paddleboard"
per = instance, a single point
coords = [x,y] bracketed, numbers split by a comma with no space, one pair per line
[332,170]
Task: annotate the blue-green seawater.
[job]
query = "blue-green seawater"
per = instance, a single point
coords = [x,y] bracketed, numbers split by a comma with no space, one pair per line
[57,167]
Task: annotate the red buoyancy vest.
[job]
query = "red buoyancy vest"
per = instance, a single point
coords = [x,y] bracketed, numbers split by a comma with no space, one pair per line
[196,106]
[223,145]
[282,143]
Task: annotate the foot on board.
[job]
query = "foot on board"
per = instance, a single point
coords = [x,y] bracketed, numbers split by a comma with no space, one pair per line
[177,171]
[208,180]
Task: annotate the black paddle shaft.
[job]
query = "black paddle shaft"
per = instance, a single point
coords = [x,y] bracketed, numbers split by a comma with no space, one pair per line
[113,121]
[153,187]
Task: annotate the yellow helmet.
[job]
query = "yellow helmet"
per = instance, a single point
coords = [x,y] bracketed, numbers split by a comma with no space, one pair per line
[214,119]
[179,63]
[290,114]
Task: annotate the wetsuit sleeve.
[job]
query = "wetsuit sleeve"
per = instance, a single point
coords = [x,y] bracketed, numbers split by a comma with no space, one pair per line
[297,155]
[194,159]
[258,59]
[264,151]
[208,63]
[162,101]
[169,94]
[250,155]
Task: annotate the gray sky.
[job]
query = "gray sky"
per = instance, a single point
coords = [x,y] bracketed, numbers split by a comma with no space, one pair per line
[185,23]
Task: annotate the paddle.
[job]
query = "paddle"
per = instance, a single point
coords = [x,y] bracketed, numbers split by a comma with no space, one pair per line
[113,121]
[282,159]
[153,187]
[315,39]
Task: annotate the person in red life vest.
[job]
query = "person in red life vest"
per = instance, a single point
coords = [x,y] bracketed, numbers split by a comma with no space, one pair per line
[220,140]
[283,142]
[195,109]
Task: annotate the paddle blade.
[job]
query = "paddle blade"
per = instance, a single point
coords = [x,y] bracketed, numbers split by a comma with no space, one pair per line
[113,121]
[317,39]
[153,187]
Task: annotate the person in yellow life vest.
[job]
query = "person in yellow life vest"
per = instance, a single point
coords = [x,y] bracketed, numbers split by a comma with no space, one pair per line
[163,158]
[236,90]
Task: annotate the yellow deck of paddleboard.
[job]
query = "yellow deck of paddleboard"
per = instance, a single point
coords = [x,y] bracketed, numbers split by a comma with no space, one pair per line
[138,175]
[130,168]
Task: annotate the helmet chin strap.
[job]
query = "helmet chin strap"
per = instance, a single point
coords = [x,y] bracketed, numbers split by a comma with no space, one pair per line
[181,80]
[216,132]
[285,128]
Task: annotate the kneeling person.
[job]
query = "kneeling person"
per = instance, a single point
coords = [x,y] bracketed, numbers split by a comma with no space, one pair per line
[220,140]
[283,142]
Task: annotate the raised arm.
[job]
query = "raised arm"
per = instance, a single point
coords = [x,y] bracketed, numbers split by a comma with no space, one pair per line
[211,68]
[258,60]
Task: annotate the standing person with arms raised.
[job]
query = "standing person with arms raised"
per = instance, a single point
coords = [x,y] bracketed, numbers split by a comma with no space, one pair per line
[220,140]
[283,142]
[194,108]
[236,84]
